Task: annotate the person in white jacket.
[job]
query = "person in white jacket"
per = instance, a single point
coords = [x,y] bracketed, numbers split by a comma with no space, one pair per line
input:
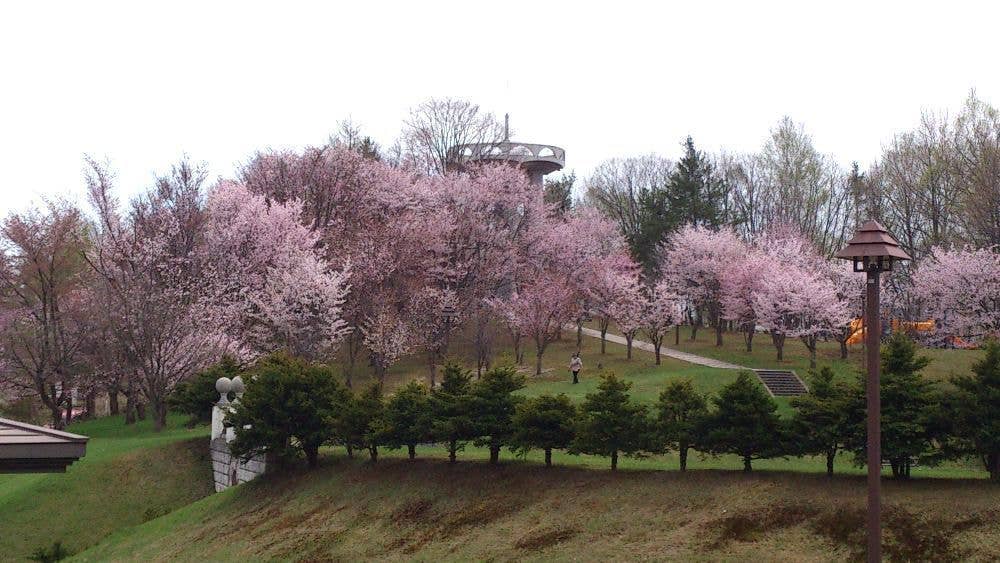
[575,365]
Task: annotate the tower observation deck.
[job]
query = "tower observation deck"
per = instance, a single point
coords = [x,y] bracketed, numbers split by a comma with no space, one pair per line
[535,159]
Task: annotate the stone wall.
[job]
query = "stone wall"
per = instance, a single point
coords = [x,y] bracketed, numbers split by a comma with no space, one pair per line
[228,470]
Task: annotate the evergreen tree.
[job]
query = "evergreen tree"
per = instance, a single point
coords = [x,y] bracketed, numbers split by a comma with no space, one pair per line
[974,412]
[365,417]
[407,418]
[451,409]
[744,422]
[196,396]
[559,193]
[681,411]
[695,191]
[493,406]
[544,422]
[820,425]
[286,409]
[907,408]
[655,222]
[611,423]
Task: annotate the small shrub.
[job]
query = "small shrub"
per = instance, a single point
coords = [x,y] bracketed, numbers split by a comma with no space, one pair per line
[50,555]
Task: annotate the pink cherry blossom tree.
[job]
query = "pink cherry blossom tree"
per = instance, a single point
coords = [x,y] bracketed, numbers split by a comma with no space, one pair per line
[164,327]
[44,306]
[660,311]
[960,288]
[604,283]
[627,310]
[739,287]
[540,310]
[798,303]
[387,336]
[850,288]
[693,262]
[265,276]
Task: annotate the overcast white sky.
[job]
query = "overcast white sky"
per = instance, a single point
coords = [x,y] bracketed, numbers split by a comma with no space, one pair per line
[140,85]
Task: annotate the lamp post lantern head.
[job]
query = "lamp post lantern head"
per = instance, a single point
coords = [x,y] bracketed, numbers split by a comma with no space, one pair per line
[872,249]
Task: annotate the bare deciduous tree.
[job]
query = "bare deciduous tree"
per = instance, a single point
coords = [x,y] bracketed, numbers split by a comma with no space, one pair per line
[437,125]
[617,186]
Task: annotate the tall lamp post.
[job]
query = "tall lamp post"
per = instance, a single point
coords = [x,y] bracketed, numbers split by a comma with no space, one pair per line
[873,250]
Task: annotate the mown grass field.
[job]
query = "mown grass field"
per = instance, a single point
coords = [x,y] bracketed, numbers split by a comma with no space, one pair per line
[130,475]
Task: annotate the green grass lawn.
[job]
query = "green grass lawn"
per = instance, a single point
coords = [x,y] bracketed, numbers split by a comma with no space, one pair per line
[429,510]
[944,363]
[129,475]
[649,379]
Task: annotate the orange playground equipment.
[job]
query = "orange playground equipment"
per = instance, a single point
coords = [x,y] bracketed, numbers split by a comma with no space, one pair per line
[857,328]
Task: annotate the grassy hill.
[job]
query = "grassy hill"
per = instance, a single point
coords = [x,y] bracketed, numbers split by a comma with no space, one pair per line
[141,495]
[130,475]
[428,510]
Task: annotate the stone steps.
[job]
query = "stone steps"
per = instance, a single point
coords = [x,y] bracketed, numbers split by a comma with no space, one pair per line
[781,383]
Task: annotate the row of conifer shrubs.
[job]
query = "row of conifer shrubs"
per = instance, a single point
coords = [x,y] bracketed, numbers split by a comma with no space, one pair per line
[291,408]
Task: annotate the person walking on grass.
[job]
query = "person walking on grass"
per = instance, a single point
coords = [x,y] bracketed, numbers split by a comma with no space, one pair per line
[575,365]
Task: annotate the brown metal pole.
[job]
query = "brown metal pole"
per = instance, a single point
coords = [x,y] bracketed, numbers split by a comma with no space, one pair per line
[874,414]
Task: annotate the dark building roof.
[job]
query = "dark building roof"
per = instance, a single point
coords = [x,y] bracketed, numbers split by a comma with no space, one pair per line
[872,240]
[26,448]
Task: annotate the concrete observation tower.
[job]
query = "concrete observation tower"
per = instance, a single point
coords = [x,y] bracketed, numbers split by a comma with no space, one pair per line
[536,160]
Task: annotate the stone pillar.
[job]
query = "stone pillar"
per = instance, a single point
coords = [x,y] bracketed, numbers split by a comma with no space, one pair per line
[228,470]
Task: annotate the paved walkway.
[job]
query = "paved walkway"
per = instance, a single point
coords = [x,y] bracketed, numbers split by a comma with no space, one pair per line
[676,354]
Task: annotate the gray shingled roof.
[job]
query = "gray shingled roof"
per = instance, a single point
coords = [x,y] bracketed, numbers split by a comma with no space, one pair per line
[26,448]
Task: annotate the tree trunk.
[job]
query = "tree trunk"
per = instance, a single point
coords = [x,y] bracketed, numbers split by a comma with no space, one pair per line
[91,404]
[604,333]
[628,347]
[656,350]
[747,466]
[159,415]
[538,362]
[350,451]
[991,462]
[683,452]
[779,344]
[113,407]
[614,460]
[494,455]
[548,457]
[895,469]
[748,337]
[140,409]
[694,331]
[579,335]
[312,456]
[718,332]
[432,366]
[677,335]
[69,409]
[830,455]
[373,453]
[843,349]
[57,417]
[452,449]
[131,414]
[412,450]
[515,339]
